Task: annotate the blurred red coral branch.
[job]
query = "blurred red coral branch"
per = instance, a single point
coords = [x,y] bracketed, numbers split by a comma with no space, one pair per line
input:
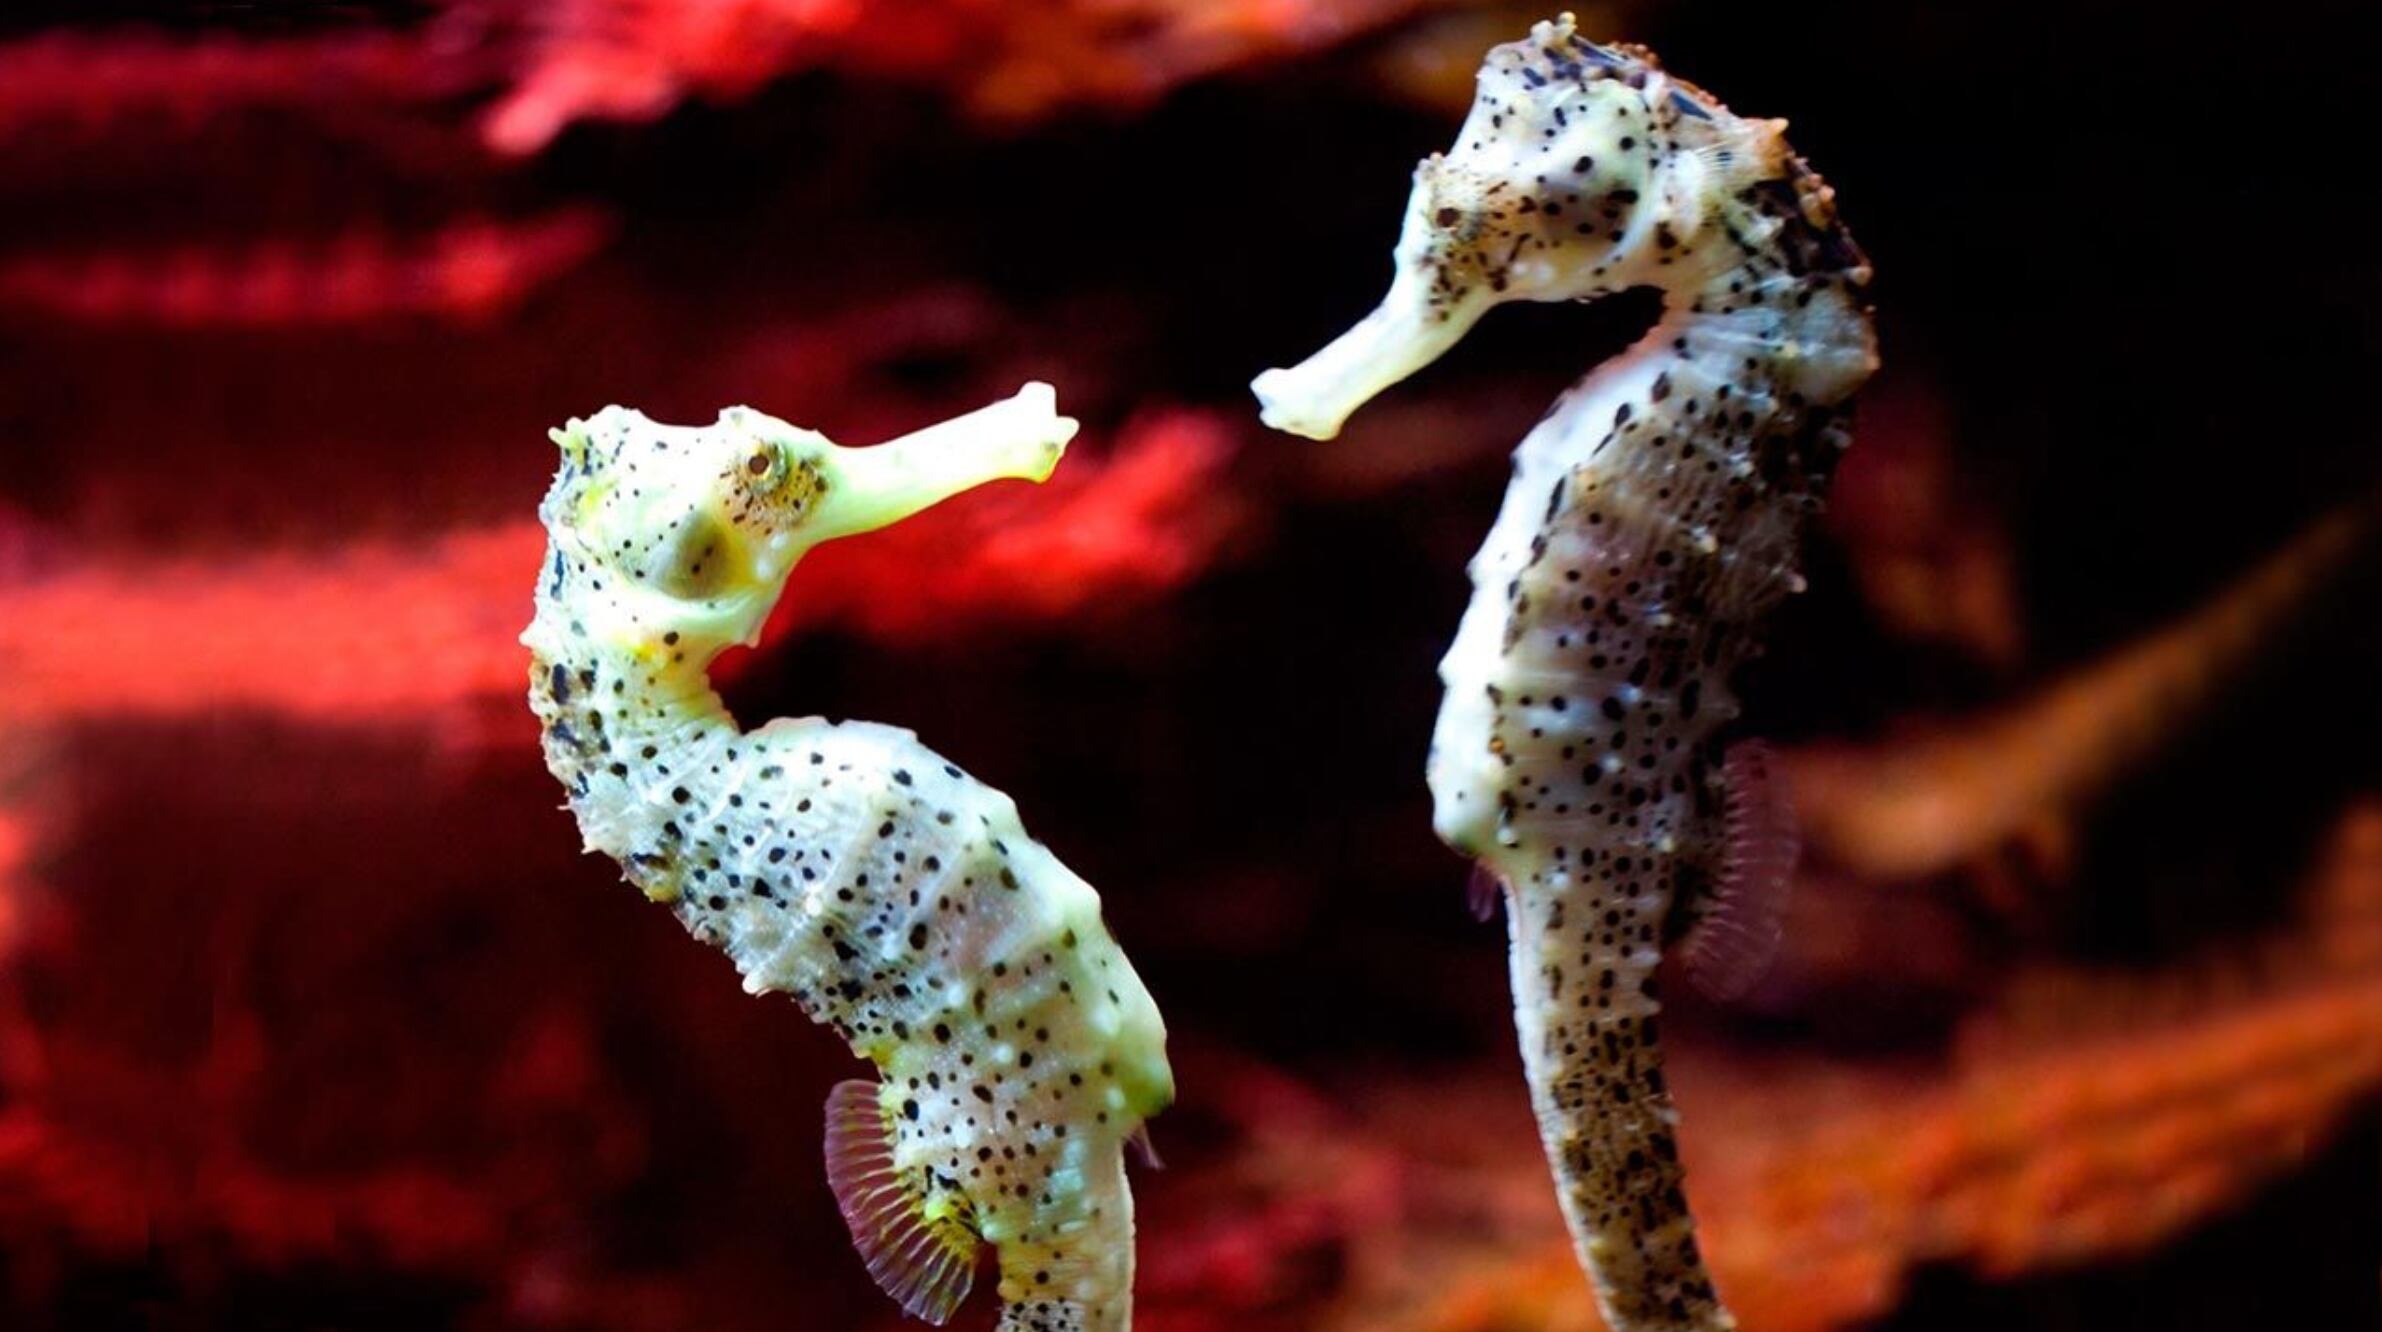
[31,826]
[394,634]
[466,270]
[1149,516]
[123,1151]
[86,82]
[16,855]
[1126,52]
[634,59]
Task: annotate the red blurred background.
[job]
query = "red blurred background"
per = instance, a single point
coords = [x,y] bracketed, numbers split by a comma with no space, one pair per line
[312,1017]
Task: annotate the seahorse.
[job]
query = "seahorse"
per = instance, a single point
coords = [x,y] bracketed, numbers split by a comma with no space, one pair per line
[895,897]
[1651,522]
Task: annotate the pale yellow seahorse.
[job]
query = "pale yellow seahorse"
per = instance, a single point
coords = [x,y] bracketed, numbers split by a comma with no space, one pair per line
[896,898]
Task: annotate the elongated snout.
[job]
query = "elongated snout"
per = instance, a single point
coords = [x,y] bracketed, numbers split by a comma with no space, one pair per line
[1422,316]
[1402,335]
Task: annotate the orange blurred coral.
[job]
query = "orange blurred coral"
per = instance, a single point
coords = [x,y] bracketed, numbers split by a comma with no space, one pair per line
[1823,1188]
[1920,803]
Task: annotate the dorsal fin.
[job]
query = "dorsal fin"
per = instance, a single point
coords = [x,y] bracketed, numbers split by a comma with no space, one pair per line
[926,1265]
[1732,944]
[1139,1141]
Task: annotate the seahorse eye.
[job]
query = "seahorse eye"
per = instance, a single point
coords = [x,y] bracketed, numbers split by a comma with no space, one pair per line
[766,467]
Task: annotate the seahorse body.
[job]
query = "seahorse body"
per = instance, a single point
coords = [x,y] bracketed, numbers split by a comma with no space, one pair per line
[893,896]
[1652,519]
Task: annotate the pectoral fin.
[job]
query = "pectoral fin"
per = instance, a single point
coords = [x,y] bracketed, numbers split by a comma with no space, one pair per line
[1143,1148]
[926,1264]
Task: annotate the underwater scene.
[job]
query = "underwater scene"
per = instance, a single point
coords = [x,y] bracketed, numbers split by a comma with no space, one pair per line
[811,664]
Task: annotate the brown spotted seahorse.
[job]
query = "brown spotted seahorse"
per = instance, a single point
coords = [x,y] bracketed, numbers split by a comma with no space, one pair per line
[1652,521]
[896,898]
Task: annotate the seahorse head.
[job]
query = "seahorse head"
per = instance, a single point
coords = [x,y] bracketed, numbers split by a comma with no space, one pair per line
[686,533]
[685,529]
[1582,170]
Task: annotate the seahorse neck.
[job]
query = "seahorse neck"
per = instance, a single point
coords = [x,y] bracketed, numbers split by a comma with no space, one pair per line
[628,717]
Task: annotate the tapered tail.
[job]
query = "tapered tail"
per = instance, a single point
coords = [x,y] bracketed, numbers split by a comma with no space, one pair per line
[1589,1043]
[1082,1281]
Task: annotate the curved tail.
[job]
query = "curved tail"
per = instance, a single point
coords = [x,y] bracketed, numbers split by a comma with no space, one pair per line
[1606,1119]
[1084,1281]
